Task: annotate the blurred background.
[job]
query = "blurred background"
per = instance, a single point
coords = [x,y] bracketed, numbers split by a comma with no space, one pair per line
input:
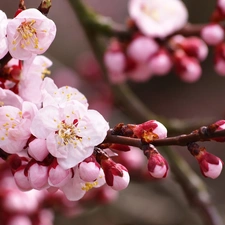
[154,202]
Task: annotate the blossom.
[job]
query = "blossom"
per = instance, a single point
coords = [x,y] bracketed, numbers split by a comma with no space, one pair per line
[52,95]
[157,164]
[8,97]
[116,175]
[210,165]
[31,78]
[158,18]
[29,33]
[71,132]
[3,39]
[150,130]
[76,188]
[142,48]
[15,126]
[212,34]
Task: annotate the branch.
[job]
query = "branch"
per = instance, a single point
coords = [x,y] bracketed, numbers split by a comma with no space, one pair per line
[201,135]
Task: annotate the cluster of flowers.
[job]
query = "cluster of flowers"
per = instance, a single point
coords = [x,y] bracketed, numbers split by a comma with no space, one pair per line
[48,135]
[154,48]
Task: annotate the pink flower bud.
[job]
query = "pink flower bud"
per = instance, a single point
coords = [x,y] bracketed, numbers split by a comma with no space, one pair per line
[195,47]
[141,48]
[210,165]
[58,176]
[221,6]
[157,164]
[219,65]
[116,175]
[220,125]
[160,64]
[150,130]
[19,220]
[38,176]
[140,73]
[89,169]
[187,68]
[38,149]
[21,180]
[114,58]
[212,34]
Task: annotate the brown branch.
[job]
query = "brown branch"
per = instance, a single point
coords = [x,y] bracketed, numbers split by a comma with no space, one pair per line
[202,134]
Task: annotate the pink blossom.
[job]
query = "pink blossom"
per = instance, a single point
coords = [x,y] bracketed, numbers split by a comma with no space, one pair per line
[3,39]
[52,95]
[22,180]
[8,97]
[158,18]
[116,175]
[71,132]
[210,165]
[76,188]
[219,125]
[221,6]
[89,169]
[115,61]
[31,78]
[29,33]
[194,47]
[19,220]
[160,64]
[212,34]
[37,149]
[141,48]
[157,164]
[140,73]
[150,130]
[187,68]
[38,176]
[15,126]
[21,202]
[58,176]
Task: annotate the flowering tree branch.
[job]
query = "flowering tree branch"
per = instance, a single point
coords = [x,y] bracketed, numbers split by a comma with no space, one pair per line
[200,135]
[181,170]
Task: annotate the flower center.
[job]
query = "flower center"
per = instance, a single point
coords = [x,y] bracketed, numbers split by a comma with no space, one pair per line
[153,13]
[27,35]
[68,132]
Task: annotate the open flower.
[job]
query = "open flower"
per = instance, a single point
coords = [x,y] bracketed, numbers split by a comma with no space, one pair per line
[76,188]
[30,32]
[15,126]
[32,76]
[71,132]
[158,18]
[3,39]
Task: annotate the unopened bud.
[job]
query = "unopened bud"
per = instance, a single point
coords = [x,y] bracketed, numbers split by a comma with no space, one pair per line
[157,164]
[89,169]
[210,165]
[212,34]
[116,175]
[150,130]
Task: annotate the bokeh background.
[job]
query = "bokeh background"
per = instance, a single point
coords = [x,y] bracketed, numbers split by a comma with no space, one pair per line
[154,202]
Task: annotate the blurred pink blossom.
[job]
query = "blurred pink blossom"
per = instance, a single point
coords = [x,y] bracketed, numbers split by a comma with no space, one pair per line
[158,18]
